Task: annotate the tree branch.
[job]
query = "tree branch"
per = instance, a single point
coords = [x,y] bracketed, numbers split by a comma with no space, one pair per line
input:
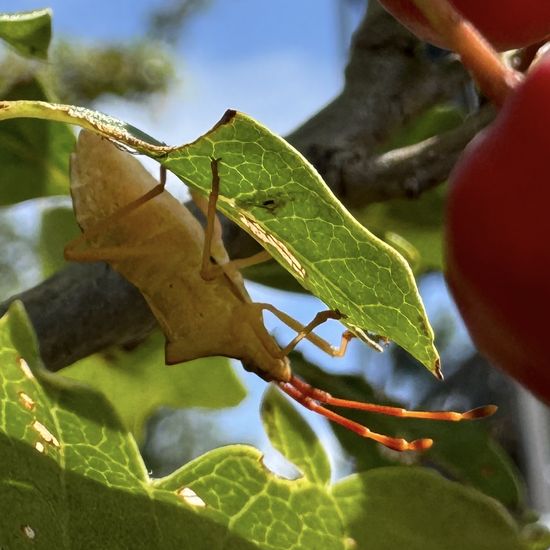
[408,171]
[389,80]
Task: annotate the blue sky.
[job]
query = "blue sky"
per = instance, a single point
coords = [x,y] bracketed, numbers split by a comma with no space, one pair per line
[278,61]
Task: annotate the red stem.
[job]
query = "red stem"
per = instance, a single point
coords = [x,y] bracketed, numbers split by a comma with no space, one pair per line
[493,77]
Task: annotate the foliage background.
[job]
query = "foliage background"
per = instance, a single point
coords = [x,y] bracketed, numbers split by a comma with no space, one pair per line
[281,87]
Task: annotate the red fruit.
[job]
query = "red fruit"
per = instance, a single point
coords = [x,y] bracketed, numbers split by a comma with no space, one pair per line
[498,235]
[506,24]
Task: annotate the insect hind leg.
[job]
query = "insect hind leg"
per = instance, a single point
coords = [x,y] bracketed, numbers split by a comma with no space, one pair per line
[306,331]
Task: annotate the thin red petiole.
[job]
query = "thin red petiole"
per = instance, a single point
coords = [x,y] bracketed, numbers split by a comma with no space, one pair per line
[395,443]
[324,397]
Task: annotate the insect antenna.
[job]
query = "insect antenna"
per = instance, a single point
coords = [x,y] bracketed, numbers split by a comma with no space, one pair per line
[314,399]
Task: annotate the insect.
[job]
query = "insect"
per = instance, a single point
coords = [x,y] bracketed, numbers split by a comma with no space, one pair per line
[194,290]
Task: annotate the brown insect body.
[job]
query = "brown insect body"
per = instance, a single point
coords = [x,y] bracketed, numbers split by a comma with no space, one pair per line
[158,248]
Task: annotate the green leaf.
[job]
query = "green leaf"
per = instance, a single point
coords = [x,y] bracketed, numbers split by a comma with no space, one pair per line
[416,509]
[69,466]
[72,476]
[271,191]
[138,382]
[57,228]
[274,512]
[28,32]
[464,451]
[293,438]
[34,155]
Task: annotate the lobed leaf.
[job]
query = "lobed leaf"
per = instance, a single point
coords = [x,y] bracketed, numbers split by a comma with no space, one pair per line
[28,32]
[69,466]
[276,513]
[290,434]
[72,477]
[271,191]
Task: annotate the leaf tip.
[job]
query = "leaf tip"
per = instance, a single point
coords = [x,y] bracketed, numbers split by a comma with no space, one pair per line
[227,117]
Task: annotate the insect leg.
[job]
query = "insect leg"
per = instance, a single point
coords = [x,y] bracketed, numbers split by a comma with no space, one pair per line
[213,243]
[451,416]
[71,252]
[255,259]
[310,403]
[314,399]
[307,331]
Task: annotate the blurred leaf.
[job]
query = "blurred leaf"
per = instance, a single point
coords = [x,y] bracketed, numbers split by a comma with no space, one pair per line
[537,537]
[81,73]
[34,154]
[138,382]
[276,513]
[437,119]
[58,227]
[413,508]
[168,20]
[290,434]
[464,451]
[28,32]
[418,221]
[271,191]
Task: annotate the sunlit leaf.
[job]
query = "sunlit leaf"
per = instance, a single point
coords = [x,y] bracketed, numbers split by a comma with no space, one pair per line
[276,513]
[272,192]
[72,476]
